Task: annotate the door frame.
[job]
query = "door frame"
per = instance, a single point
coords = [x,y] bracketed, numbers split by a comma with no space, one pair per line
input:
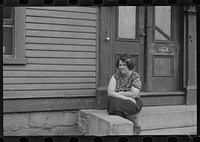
[174,52]
[105,67]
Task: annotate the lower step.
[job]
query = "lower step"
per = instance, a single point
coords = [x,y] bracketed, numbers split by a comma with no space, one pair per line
[167,117]
[173,131]
[151,120]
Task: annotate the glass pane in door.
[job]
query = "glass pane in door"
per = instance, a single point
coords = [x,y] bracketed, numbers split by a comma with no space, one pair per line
[127,22]
[163,22]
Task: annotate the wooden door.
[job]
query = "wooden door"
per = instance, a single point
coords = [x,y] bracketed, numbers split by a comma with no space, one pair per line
[164,49]
[127,36]
[154,38]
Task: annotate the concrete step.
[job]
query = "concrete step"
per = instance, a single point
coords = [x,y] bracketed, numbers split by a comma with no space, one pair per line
[172,131]
[98,122]
[167,117]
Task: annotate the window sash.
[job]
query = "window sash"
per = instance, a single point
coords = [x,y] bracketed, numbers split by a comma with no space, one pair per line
[18,56]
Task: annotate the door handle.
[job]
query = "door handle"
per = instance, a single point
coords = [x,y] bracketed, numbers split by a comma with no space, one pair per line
[143,34]
[107,36]
[107,39]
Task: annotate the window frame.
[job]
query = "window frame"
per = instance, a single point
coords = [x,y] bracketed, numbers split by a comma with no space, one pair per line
[18,56]
[171,39]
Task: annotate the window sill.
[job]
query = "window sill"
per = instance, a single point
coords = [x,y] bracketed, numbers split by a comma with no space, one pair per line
[15,61]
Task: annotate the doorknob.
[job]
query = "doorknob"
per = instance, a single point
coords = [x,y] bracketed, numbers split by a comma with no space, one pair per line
[143,34]
[107,39]
[107,36]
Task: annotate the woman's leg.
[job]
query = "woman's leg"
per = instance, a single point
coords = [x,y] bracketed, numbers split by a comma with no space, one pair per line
[133,118]
[119,113]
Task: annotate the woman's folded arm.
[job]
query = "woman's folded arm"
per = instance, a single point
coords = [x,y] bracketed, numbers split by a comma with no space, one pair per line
[133,93]
[111,90]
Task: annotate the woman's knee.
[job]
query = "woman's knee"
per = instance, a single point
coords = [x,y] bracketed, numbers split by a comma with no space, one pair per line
[119,113]
[133,116]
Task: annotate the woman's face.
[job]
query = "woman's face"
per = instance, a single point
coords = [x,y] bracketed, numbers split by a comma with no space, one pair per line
[122,67]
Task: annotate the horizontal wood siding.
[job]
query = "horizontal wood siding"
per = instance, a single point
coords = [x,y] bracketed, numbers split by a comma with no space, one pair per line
[61,53]
[22,105]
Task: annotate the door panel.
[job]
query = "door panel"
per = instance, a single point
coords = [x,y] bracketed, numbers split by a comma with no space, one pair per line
[164,49]
[127,27]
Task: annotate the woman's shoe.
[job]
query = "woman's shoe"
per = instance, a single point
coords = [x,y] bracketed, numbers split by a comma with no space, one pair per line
[137,130]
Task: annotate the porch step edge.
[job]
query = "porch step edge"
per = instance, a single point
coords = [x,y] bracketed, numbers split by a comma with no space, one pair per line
[191,130]
[98,122]
[167,117]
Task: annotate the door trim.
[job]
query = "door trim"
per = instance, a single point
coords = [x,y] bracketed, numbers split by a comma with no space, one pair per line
[106,69]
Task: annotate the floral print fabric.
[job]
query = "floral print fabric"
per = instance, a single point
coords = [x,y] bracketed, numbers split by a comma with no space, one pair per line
[125,85]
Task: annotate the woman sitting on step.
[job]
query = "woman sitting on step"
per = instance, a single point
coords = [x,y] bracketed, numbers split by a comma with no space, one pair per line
[123,90]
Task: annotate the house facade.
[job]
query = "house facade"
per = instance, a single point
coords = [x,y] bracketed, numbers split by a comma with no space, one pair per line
[58,60]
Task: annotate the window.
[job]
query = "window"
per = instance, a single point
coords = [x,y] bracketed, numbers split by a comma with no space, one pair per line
[127,22]
[163,23]
[8,27]
[14,35]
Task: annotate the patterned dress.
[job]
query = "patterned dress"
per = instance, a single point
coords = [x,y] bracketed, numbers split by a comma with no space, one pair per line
[125,106]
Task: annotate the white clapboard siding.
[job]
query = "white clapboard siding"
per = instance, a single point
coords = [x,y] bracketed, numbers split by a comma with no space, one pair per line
[54,27]
[60,41]
[49,74]
[58,34]
[49,94]
[39,47]
[15,87]
[61,53]
[69,8]
[58,21]
[40,80]
[38,67]
[61,14]
[57,61]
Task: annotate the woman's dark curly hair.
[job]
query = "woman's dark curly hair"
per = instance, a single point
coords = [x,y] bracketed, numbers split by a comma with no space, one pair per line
[127,59]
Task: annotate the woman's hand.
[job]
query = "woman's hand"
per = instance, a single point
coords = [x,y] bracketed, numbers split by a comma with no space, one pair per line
[133,93]
[133,100]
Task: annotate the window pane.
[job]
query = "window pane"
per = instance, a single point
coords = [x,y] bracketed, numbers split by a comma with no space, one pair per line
[127,22]
[159,36]
[7,13]
[163,21]
[7,40]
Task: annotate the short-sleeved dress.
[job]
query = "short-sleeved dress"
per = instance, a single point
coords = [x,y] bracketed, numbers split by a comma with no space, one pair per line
[125,106]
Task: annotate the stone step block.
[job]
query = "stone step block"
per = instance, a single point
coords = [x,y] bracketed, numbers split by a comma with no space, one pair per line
[167,117]
[99,123]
